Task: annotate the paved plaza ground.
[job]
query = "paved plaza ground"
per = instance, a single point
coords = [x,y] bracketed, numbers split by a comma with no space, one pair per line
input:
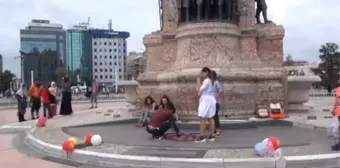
[127,139]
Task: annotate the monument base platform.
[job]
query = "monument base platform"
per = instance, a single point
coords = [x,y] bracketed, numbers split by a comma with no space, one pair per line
[243,89]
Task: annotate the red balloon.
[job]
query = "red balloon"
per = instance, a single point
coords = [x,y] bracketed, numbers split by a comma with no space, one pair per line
[68,146]
[275,141]
[88,138]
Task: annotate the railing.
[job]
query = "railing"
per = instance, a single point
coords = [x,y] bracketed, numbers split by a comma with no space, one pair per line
[321,93]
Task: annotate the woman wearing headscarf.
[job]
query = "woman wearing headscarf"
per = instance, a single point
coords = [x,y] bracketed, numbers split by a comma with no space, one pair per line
[22,103]
[66,106]
[54,92]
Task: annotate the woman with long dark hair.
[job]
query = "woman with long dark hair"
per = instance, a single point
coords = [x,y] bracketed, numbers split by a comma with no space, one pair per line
[66,106]
[149,108]
[207,104]
[218,91]
[166,103]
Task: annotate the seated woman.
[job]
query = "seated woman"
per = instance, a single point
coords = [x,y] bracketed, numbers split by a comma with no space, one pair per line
[150,107]
[166,103]
[161,122]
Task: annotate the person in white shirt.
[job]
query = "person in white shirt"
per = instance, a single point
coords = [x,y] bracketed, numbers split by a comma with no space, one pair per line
[207,105]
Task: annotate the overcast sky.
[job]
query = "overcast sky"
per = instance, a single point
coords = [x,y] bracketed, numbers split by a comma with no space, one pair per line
[308,23]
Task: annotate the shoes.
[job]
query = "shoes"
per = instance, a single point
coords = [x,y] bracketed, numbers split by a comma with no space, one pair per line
[200,139]
[217,133]
[336,147]
[211,138]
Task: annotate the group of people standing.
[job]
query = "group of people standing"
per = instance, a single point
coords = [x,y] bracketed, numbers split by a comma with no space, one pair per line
[47,95]
[162,118]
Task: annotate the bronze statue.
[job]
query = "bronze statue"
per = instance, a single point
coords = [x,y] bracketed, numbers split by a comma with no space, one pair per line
[261,7]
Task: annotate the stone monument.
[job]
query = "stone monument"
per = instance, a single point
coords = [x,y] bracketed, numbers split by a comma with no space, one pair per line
[222,35]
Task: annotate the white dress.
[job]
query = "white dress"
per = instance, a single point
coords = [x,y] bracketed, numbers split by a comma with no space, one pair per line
[207,102]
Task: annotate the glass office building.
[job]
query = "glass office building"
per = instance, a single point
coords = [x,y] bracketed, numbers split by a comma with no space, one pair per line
[43,49]
[79,55]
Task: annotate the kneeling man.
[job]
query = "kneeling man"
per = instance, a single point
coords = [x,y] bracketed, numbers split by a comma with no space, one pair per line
[161,122]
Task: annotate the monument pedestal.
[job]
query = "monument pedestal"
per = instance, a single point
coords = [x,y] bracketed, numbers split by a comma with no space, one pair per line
[247,58]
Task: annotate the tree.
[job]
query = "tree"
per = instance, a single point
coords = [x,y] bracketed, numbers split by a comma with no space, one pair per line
[61,72]
[6,78]
[328,69]
[289,60]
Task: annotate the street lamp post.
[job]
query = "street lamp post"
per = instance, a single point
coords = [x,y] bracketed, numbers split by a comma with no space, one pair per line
[21,57]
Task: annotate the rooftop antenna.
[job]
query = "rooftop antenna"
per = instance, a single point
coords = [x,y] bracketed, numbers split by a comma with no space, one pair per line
[110,24]
[88,20]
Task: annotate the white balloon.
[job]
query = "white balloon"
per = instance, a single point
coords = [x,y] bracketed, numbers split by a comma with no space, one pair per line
[265,140]
[96,140]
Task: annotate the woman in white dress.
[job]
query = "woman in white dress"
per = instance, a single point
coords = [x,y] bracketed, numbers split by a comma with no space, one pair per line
[207,105]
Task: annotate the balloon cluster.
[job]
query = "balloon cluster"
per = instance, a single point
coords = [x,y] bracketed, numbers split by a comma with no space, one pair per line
[69,145]
[41,121]
[269,147]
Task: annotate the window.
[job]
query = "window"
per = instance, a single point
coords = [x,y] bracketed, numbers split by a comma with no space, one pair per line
[110,76]
[100,50]
[115,63]
[110,43]
[105,76]
[95,57]
[120,70]
[104,43]
[105,57]
[114,43]
[101,76]
[95,77]
[110,50]
[105,70]
[104,49]
[110,70]
[95,43]
[95,50]
[115,57]
[118,50]
[110,63]
[101,70]
[95,63]
[100,63]
[120,76]
[100,57]
[110,56]
[95,70]
[115,50]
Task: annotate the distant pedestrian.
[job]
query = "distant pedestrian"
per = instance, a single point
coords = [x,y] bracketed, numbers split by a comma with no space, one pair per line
[54,92]
[94,94]
[35,99]
[66,106]
[21,97]
[47,100]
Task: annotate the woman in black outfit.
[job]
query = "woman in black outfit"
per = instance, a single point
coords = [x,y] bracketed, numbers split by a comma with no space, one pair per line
[66,106]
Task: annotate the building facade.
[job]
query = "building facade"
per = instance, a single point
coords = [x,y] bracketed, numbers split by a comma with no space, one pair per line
[136,64]
[109,55]
[79,54]
[43,50]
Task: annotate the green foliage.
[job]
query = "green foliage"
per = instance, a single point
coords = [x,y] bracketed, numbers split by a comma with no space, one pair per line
[328,69]
[289,60]
[6,78]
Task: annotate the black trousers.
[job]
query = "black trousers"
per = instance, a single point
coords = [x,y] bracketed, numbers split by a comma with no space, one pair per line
[47,107]
[158,132]
[217,117]
[36,103]
[21,117]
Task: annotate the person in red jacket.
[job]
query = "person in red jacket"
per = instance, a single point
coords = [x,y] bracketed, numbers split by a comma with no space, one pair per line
[161,122]
[45,95]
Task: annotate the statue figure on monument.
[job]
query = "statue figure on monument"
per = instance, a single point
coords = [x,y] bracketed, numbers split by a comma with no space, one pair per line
[172,10]
[261,7]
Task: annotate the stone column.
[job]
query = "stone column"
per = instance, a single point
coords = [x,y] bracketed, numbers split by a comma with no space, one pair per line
[199,9]
[246,10]
[220,9]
